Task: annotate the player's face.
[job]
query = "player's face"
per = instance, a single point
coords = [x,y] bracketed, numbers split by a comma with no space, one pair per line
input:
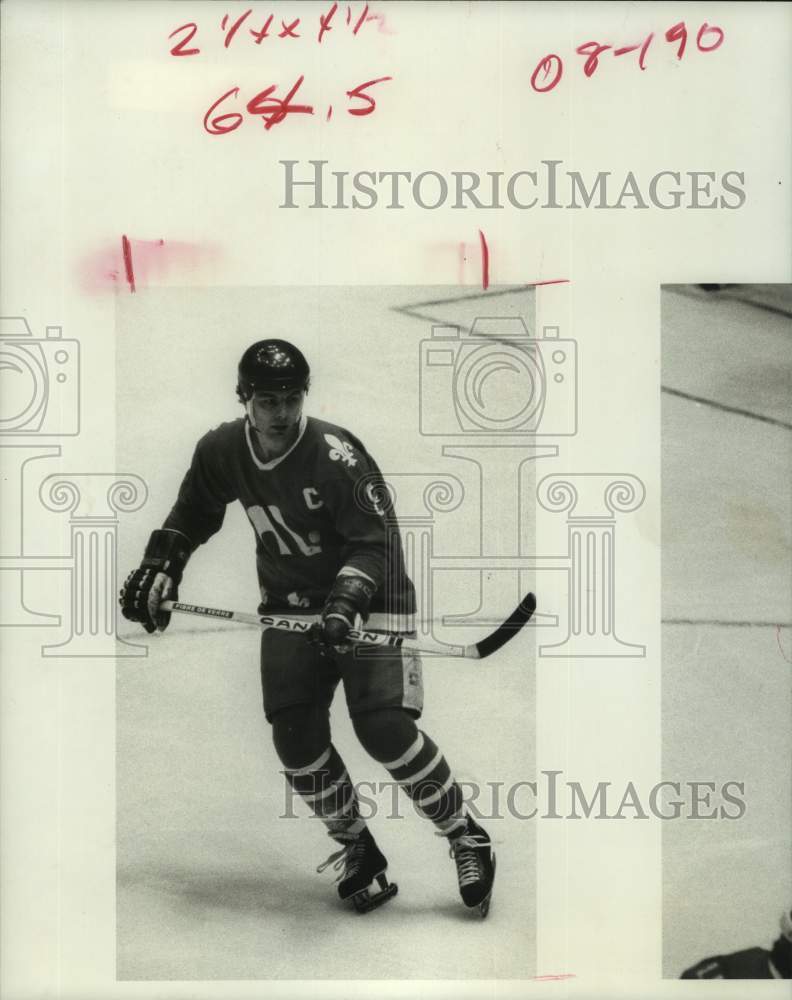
[275,414]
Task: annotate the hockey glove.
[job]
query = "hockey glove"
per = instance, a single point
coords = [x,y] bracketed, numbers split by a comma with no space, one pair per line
[753,963]
[156,580]
[347,601]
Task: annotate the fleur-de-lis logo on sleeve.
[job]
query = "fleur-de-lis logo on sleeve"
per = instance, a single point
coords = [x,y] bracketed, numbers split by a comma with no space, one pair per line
[340,451]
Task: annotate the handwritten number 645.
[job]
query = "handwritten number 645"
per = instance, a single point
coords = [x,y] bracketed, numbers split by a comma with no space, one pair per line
[269,108]
[272,110]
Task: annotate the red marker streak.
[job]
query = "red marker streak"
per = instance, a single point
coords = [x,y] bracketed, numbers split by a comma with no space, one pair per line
[145,262]
[632,48]
[361,20]
[262,33]
[126,250]
[555,281]
[678,33]
[593,50]
[179,49]
[234,27]
[289,29]
[356,92]
[705,29]
[325,19]
[561,975]
[273,110]
[382,26]
[644,48]
[484,261]
[222,123]
[553,63]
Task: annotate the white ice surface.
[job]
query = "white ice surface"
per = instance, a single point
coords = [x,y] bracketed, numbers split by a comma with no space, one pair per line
[213,885]
[727,559]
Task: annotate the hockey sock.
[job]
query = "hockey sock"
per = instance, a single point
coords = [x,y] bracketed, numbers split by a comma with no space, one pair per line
[415,763]
[422,771]
[324,784]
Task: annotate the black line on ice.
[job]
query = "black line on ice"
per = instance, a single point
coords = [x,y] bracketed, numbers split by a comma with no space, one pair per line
[725,408]
[701,295]
[728,622]
[510,290]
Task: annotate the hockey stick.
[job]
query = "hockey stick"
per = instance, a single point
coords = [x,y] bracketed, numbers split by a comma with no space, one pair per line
[394,640]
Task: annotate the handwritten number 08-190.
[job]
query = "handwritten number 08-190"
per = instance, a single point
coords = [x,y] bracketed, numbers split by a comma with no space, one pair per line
[550,68]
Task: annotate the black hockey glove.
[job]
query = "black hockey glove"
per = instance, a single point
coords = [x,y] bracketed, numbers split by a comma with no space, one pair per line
[349,598]
[156,580]
[753,963]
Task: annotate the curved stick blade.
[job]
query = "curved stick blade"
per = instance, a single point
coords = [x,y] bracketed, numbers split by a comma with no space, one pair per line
[503,633]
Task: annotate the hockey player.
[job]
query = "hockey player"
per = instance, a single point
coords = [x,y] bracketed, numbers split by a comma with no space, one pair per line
[324,544]
[752,963]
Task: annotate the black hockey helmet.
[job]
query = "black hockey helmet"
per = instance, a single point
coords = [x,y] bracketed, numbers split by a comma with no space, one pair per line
[271,364]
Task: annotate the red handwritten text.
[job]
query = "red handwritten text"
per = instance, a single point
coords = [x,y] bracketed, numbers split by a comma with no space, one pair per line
[253,27]
[272,110]
[484,261]
[550,68]
[126,253]
[485,266]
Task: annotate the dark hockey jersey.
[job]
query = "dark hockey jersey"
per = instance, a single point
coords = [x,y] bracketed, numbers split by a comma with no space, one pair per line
[315,510]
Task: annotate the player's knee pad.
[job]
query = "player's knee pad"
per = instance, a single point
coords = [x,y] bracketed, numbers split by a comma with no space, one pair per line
[301,733]
[385,733]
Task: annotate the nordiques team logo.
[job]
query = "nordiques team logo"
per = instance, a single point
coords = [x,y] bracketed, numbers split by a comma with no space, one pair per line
[340,451]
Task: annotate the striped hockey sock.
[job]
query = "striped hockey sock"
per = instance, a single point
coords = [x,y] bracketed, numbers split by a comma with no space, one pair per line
[422,771]
[325,786]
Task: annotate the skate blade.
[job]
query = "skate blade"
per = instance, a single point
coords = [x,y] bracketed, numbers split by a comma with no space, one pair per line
[366,900]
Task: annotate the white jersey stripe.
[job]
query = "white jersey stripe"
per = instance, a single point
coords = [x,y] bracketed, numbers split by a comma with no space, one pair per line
[267,466]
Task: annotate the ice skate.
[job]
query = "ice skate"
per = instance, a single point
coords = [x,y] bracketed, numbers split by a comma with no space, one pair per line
[475,864]
[361,863]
